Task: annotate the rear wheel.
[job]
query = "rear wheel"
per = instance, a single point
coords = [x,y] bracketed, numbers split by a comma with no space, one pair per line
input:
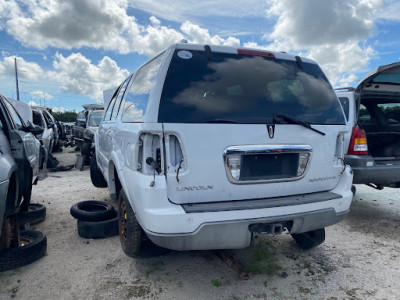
[309,239]
[95,174]
[130,233]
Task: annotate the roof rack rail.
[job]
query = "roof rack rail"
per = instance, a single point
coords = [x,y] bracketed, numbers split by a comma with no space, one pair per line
[347,88]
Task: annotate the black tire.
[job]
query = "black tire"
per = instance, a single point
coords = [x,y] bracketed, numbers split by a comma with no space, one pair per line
[98,230]
[33,245]
[353,189]
[85,148]
[95,174]
[131,234]
[309,239]
[93,211]
[36,213]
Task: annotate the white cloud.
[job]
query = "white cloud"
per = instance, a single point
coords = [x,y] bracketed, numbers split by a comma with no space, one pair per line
[28,70]
[41,95]
[80,77]
[202,36]
[182,10]
[33,103]
[97,24]
[304,23]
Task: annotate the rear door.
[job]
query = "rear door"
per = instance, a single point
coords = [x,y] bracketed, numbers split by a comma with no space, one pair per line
[229,128]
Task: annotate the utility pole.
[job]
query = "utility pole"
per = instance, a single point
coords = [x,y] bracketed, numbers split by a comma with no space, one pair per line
[16,77]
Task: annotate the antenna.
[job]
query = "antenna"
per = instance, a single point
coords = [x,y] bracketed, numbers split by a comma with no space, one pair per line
[16,77]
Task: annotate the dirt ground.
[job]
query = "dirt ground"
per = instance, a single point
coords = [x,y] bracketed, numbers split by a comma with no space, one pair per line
[360,258]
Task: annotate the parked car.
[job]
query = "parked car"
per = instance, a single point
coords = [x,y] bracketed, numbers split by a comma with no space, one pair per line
[206,145]
[19,164]
[87,123]
[373,114]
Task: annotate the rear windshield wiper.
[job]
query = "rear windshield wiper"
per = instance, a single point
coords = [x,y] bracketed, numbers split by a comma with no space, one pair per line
[278,117]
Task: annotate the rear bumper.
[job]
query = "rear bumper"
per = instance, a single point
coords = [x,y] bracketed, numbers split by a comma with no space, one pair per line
[366,170]
[175,227]
[236,234]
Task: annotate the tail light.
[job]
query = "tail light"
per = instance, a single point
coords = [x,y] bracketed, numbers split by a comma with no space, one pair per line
[358,142]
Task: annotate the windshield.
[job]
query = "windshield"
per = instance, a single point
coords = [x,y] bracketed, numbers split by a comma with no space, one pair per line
[245,89]
[95,118]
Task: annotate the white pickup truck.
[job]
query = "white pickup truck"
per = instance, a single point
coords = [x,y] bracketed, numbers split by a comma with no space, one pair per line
[206,145]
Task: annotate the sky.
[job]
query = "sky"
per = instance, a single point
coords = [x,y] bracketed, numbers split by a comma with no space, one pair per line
[68,52]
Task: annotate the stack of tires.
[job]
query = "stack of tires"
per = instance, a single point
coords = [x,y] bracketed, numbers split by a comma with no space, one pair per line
[96,219]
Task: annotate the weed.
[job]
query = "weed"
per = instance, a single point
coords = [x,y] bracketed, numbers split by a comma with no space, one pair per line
[216,282]
[263,260]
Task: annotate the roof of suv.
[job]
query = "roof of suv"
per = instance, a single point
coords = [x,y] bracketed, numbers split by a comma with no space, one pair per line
[237,50]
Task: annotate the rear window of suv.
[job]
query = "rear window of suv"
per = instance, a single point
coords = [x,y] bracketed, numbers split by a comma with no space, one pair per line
[233,88]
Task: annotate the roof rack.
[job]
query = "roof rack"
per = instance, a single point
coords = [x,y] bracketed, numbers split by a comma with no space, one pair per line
[347,88]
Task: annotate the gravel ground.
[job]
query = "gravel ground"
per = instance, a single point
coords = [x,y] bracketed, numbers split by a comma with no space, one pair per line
[360,258]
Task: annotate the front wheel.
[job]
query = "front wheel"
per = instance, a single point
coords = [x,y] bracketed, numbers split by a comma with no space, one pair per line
[309,239]
[131,234]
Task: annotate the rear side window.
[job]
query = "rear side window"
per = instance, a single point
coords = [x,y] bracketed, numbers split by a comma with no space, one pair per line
[136,99]
[345,105]
[245,89]
[118,99]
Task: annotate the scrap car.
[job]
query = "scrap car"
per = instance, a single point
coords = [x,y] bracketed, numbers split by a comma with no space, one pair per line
[206,145]
[373,115]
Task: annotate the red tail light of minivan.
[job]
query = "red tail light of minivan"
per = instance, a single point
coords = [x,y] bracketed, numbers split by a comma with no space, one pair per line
[358,142]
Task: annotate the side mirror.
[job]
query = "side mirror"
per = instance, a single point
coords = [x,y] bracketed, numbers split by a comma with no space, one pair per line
[50,125]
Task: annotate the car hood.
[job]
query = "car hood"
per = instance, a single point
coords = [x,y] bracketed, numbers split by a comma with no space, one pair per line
[382,81]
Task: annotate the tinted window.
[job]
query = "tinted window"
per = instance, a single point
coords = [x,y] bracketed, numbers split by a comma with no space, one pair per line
[245,89]
[345,105]
[37,119]
[118,99]
[47,118]
[107,115]
[136,100]
[14,116]
[95,118]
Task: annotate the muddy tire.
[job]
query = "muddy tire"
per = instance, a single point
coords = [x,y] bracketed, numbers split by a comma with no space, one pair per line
[309,239]
[98,230]
[36,213]
[32,246]
[95,174]
[131,234]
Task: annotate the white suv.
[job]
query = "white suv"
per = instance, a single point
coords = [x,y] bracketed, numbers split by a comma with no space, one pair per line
[204,145]
[372,111]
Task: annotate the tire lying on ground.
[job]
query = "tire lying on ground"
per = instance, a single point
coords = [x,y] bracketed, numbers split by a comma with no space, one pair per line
[36,213]
[93,211]
[33,245]
[98,229]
